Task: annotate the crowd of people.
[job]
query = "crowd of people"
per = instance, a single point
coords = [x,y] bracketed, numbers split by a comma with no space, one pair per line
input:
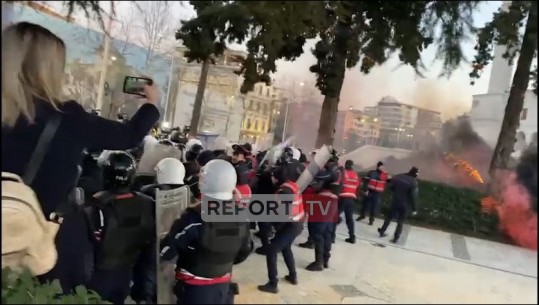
[104,237]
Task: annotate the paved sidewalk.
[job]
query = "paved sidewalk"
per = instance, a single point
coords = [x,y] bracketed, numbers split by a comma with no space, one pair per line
[427,266]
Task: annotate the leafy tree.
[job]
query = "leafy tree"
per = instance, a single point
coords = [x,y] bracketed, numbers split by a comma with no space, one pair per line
[505,29]
[369,32]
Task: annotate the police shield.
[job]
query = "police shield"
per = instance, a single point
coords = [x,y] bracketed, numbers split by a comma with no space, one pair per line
[275,152]
[320,159]
[170,204]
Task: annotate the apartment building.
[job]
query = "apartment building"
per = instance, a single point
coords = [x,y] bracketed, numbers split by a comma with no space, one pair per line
[367,129]
[344,125]
[262,107]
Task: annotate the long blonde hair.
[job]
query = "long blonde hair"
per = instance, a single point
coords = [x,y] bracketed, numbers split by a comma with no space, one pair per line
[33,62]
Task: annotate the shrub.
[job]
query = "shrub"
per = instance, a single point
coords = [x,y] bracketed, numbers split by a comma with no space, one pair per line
[26,289]
[447,208]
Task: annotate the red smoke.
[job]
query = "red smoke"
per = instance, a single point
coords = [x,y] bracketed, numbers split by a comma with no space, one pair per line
[517,219]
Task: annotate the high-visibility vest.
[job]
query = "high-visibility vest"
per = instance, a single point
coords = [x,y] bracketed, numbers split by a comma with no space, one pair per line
[350,184]
[242,194]
[377,185]
[297,210]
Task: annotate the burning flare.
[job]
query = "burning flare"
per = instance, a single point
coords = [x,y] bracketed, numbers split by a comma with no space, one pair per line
[463,166]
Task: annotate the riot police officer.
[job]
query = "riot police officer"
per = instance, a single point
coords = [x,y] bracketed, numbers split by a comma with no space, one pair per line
[347,198]
[322,226]
[284,176]
[123,224]
[374,186]
[404,188]
[206,251]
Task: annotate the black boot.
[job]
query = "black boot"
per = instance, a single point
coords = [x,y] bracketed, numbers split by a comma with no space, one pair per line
[382,234]
[351,239]
[261,250]
[314,266]
[268,287]
[317,265]
[371,221]
[326,264]
[307,245]
[395,240]
[360,218]
[292,279]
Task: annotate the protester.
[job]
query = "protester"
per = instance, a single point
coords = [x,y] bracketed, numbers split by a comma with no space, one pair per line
[33,62]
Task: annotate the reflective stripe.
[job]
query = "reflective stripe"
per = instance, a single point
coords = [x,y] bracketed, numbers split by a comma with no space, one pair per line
[348,195]
[191,279]
[328,194]
[350,184]
[297,205]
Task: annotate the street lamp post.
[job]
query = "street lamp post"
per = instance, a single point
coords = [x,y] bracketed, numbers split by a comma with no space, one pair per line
[167,101]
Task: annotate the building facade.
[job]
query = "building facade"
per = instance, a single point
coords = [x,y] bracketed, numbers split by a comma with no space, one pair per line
[344,126]
[262,108]
[222,108]
[367,129]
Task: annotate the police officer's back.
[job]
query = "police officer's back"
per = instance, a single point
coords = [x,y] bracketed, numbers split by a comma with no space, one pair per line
[206,251]
[404,188]
[123,224]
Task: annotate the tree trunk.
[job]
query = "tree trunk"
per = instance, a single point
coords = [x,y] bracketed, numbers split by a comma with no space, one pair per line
[197,108]
[328,118]
[511,120]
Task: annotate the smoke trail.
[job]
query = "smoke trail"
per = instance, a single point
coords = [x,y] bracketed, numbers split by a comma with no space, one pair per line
[527,173]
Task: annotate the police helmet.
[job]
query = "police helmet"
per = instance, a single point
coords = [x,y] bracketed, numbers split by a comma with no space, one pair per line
[218,179]
[119,169]
[170,171]
[286,156]
[348,164]
[193,151]
[296,154]
[191,143]
[334,155]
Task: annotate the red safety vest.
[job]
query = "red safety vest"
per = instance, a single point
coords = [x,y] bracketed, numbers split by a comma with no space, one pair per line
[297,211]
[350,184]
[377,185]
[242,194]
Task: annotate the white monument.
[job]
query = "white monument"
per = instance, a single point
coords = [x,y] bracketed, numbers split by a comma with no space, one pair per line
[488,109]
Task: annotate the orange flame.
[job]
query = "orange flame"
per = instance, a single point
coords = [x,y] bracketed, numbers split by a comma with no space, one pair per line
[463,166]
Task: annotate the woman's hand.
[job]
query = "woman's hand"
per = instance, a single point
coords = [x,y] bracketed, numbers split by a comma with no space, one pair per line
[151,93]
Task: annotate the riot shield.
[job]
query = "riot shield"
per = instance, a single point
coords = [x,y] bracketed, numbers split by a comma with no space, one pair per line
[320,159]
[169,205]
[271,155]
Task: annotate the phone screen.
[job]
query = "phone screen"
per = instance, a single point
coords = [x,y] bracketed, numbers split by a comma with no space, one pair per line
[135,85]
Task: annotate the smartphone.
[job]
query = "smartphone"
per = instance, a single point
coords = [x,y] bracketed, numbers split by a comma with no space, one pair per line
[135,85]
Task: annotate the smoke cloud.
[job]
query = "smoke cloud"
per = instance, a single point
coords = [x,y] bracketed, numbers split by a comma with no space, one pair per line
[446,97]
[526,173]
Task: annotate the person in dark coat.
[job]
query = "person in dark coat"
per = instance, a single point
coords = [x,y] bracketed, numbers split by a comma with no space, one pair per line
[404,188]
[25,111]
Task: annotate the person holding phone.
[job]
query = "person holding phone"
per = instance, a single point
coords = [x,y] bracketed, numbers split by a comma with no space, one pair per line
[32,74]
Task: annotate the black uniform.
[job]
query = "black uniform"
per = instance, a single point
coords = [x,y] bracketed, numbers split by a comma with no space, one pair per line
[404,188]
[206,252]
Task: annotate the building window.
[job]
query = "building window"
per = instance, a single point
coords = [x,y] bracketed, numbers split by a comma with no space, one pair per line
[265,108]
[256,125]
[251,106]
[263,126]
[258,107]
[248,125]
[524,114]
[259,89]
[268,92]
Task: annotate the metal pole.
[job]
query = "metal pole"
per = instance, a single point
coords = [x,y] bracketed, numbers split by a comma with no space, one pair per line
[285,121]
[167,101]
[104,64]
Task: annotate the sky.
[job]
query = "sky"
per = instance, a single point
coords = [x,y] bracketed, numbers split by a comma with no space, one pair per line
[451,96]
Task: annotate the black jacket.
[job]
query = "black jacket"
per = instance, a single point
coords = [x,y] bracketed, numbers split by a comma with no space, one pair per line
[404,188]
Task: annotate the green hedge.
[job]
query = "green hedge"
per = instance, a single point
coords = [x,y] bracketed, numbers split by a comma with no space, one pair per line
[451,209]
[23,288]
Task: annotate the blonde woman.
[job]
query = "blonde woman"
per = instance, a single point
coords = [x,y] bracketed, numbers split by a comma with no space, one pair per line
[33,61]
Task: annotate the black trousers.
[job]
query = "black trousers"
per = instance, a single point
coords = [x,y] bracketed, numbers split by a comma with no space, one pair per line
[398,212]
[204,294]
[346,206]
[322,238]
[282,242]
[370,204]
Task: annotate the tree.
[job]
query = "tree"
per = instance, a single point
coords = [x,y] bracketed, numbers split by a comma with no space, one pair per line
[370,32]
[81,84]
[155,20]
[504,29]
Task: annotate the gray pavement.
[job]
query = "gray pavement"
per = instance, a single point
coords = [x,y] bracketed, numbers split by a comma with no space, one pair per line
[426,266]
